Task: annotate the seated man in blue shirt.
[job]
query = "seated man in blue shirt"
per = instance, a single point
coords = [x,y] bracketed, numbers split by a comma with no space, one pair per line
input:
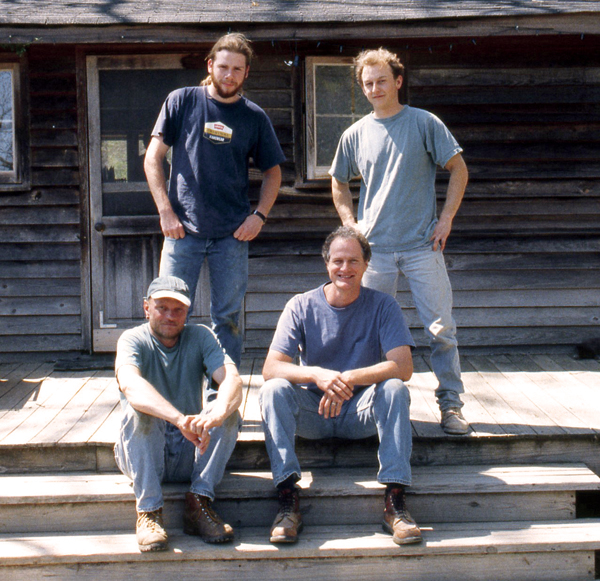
[166,434]
[355,354]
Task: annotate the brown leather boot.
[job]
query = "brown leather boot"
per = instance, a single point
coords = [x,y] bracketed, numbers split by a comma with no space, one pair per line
[288,522]
[149,531]
[200,519]
[397,520]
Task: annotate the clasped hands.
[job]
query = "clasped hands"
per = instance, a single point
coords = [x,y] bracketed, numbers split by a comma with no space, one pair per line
[337,388]
[197,428]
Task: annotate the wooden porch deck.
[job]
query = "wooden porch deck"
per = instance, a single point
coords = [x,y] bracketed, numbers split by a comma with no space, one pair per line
[540,399]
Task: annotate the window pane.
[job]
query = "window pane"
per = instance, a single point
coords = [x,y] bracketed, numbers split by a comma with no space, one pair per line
[329,131]
[338,103]
[6,122]
[130,101]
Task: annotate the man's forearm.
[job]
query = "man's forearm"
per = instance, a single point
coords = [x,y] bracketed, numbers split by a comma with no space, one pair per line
[269,190]
[375,373]
[459,176]
[144,397]
[342,200]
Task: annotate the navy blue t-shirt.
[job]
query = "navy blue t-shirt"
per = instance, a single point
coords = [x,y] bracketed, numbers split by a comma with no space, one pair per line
[211,146]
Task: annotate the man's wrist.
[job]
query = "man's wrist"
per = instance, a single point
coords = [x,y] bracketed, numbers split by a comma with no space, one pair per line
[260,215]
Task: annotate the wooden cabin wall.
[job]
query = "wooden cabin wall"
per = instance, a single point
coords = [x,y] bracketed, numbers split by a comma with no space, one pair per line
[40,249]
[523,257]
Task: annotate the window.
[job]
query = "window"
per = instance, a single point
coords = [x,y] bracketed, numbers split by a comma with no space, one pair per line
[13,132]
[334,101]
[131,93]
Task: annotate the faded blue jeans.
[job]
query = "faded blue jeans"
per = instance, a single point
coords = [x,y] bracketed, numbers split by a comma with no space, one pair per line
[382,409]
[228,267]
[432,295]
[151,451]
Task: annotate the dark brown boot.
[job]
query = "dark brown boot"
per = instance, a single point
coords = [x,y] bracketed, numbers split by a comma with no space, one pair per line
[397,520]
[288,522]
[201,520]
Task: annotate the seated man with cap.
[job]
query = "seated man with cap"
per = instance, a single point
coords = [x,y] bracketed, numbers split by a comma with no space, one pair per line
[166,434]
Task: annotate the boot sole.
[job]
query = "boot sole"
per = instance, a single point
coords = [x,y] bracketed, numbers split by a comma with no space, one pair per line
[403,541]
[211,540]
[153,547]
[289,540]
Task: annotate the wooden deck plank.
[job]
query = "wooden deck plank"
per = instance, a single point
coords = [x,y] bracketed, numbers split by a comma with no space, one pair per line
[424,412]
[29,400]
[480,419]
[522,370]
[21,382]
[500,406]
[74,411]
[47,410]
[90,423]
[322,542]
[516,390]
[532,395]
[250,409]
[570,393]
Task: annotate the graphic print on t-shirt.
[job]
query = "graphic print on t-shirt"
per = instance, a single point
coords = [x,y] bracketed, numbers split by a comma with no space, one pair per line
[218,132]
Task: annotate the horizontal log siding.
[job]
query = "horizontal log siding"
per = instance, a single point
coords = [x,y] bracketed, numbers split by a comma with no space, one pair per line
[524,256]
[40,254]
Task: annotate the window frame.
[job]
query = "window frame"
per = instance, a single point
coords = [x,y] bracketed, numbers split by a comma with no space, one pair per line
[314,172]
[19,177]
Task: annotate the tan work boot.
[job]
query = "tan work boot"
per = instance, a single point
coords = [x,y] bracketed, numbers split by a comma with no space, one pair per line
[397,520]
[200,519]
[288,522]
[149,531]
[454,423]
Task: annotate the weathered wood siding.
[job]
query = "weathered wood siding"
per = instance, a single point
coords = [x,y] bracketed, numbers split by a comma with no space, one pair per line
[524,255]
[40,250]
[523,258]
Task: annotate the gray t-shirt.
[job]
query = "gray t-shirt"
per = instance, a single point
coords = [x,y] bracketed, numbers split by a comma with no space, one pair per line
[340,339]
[396,158]
[176,373]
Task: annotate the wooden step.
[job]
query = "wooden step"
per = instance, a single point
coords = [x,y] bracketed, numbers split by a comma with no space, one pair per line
[96,502]
[561,551]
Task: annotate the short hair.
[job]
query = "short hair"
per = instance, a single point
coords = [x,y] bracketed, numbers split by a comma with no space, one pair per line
[233,42]
[347,233]
[373,57]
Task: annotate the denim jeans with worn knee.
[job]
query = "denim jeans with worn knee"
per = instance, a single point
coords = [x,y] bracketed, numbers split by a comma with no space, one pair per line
[383,409]
[430,287]
[151,451]
[228,270]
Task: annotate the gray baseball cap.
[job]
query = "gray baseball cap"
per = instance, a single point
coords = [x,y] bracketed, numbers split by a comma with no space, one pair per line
[169,287]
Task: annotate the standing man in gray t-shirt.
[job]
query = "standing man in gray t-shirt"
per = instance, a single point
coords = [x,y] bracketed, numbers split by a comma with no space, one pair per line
[395,150]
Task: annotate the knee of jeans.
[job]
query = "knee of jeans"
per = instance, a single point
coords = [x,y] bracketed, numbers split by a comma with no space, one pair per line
[140,423]
[395,389]
[271,390]
[443,332]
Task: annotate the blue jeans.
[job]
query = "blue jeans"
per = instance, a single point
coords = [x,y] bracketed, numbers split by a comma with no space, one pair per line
[228,268]
[382,409]
[151,451]
[432,295]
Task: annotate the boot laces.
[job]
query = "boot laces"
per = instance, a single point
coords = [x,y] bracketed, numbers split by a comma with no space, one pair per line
[286,501]
[209,512]
[152,520]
